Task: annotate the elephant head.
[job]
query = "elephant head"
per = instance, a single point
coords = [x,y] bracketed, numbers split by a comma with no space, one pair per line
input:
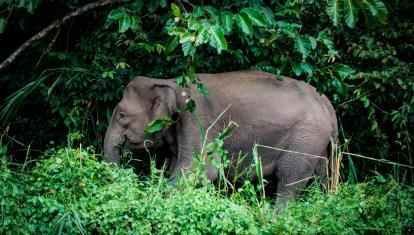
[144,100]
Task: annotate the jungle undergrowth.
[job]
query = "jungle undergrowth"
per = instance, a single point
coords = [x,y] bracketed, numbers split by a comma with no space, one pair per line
[69,190]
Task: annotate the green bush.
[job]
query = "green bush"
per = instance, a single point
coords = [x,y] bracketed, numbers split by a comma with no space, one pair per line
[72,192]
[359,53]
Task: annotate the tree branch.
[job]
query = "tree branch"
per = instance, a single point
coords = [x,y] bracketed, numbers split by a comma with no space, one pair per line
[54,25]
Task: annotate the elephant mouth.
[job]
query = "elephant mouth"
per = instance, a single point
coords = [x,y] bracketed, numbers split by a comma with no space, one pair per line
[133,145]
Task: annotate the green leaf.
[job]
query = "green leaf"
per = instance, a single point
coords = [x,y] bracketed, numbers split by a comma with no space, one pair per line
[177,31]
[190,106]
[185,37]
[312,41]
[135,20]
[137,5]
[307,68]
[157,125]
[297,69]
[382,11]
[175,10]
[350,12]
[255,16]
[302,45]
[334,11]
[154,126]
[163,3]
[31,6]
[343,70]
[3,23]
[226,22]
[370,5]
[202,89]
[340,87]
[171,44]
[188,48]
[202,37]
[183,81]
[212,11]
[244,23]
[124,24]
[268,15]
[365,101]
[217,38]
[116,14]
[197,11]
[193,24]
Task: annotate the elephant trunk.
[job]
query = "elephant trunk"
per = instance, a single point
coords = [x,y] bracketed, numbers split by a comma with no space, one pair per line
[113,138]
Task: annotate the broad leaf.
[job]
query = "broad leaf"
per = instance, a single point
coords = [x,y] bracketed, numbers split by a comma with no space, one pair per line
[116,14]
[255,16]
[31,5]
[154,126]
[334,11]
[371,6]
[175,10]
[188,48]
[176,31]
[307,68]
[157,125]
[202,37]
[343,70]
[268,15]
[302,45]
[124,24]
[244,23]
[171,44]
[211,10]
[382,11]
[193,24]
[135,20]
[185,37]
[217,38]
[350,12]
[226,22]
[297,69]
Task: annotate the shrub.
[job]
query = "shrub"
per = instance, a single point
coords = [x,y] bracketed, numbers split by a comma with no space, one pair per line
[72,192]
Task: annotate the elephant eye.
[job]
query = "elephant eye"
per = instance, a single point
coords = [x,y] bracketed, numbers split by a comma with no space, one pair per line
[122,116]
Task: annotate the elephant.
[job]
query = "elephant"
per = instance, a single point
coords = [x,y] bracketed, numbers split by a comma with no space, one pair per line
[285,113]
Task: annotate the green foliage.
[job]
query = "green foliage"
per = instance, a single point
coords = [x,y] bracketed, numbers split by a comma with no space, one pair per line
[363,64]
[372,10]
[157,125]
[71,192]
[370,207]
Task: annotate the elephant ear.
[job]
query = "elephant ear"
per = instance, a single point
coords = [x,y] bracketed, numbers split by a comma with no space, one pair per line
[163,103]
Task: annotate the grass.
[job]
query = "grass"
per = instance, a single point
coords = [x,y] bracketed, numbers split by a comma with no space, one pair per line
[70,191]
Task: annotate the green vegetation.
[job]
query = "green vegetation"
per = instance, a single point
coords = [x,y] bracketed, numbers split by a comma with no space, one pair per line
[62,85]
[69,191]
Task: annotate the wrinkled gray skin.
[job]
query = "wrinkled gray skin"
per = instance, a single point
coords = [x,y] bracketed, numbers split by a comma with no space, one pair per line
[287,114]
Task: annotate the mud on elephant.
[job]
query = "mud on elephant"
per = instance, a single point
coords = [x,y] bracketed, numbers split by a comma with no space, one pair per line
[286,114]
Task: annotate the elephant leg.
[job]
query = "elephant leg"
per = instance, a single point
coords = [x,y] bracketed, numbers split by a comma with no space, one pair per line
[292,175]
[294,170]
